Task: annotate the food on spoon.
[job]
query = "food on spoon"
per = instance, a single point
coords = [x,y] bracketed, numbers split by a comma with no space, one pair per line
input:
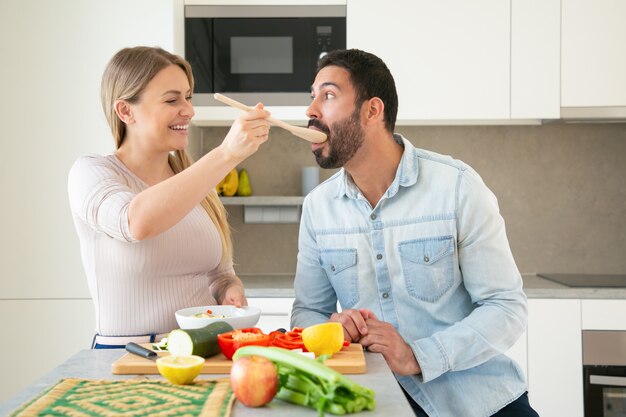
[200,342]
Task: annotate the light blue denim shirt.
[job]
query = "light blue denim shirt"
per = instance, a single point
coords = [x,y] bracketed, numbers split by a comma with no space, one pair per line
[432,258]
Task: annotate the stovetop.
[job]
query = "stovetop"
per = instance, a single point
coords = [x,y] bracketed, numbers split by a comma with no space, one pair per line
[587,280]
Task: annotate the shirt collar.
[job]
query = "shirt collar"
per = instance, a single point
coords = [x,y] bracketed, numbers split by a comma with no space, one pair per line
[406,174]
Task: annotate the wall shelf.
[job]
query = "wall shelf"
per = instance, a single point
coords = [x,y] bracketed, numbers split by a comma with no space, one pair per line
[263,200]
[267,209]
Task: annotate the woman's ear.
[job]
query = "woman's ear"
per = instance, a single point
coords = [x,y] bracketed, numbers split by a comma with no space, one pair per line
[124,111]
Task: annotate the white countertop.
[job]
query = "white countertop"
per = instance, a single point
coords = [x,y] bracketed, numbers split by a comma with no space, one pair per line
[281,285]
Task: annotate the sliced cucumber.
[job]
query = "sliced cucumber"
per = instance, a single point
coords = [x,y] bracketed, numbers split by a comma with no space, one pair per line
[200,342]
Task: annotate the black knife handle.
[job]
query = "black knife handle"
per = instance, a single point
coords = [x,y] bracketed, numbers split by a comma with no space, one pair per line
[133,347]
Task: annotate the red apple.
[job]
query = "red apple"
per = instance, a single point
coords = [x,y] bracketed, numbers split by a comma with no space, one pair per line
[254,380]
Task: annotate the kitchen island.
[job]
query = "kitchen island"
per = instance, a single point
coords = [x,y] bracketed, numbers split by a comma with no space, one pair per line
[96,364]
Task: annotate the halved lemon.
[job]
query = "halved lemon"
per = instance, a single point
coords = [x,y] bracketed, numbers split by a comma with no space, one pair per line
[180,370]
[323,339]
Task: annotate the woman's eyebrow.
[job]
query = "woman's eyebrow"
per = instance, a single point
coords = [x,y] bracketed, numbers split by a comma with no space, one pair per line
[173,92]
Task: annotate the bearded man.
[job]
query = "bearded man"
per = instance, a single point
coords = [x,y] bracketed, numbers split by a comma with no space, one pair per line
[413,247]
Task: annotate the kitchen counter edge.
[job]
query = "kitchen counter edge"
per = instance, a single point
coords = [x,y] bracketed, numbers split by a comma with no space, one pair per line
[281,286]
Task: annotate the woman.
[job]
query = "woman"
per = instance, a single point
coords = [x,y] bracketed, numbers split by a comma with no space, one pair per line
[153,233]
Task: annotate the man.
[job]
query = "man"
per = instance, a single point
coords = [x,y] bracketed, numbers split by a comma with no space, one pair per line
[412,245]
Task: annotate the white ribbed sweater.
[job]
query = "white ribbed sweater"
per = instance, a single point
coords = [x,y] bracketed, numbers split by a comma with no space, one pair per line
[137,286]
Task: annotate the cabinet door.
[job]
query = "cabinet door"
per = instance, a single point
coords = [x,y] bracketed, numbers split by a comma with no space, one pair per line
[604,314]
[555,374]
[449,58]
[593,60]
[275,313]
[535,59]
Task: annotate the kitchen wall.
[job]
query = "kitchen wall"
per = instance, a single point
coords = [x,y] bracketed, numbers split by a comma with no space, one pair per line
[561,189]
[53,55]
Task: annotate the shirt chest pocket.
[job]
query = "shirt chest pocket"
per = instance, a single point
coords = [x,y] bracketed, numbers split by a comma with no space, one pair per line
[341,269]
[428,266]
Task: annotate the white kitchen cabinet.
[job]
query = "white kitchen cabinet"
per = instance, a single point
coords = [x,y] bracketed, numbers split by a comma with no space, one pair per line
[275,312]
[593,58]
[535,63]
[555,357]
[37,335]
[604,314]
[450,59]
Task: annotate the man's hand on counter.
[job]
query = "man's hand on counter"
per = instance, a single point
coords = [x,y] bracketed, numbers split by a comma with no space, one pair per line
[383,338]
[362,326]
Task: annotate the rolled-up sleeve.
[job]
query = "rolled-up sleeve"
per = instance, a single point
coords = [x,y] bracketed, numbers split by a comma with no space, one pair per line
[100,198]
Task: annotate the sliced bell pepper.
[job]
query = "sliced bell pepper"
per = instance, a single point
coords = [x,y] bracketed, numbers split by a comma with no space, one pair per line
[289,340]
[231,341]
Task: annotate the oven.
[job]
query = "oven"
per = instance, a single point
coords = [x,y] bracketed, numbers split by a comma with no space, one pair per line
[260,53]
[604,373]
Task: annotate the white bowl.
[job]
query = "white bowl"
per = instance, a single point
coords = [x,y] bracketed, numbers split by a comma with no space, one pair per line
[238,318]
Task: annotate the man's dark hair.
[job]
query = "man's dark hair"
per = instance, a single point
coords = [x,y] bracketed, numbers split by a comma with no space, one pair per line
[370,78]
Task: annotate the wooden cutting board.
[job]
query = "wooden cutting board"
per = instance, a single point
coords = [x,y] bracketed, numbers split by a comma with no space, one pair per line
[349,360]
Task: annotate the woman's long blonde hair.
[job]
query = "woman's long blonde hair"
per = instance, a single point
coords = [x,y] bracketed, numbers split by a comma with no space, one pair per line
[125,78]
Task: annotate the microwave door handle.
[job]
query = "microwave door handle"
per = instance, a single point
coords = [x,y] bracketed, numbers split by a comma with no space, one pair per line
[619,381]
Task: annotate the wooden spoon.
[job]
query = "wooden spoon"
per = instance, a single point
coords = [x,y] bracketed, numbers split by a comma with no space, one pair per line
[302,132]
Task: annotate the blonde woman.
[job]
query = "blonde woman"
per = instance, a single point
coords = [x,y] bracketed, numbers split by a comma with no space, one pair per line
[153,233]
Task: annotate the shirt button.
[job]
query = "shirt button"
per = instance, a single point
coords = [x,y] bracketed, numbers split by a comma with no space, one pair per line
[373,217]
[332,268]
[426,259]
[379,256]
[385,295]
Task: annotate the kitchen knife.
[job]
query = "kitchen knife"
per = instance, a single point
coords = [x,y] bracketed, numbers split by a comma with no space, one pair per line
[141,351]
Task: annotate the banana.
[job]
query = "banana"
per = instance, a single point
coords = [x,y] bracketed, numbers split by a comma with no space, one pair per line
[228,186]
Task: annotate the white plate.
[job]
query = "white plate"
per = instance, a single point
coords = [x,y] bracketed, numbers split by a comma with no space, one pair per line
[238,318]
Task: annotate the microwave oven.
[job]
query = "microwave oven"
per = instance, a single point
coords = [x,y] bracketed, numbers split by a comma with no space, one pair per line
[260,53]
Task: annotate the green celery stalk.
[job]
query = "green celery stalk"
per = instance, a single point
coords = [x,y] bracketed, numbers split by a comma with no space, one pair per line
[310,383]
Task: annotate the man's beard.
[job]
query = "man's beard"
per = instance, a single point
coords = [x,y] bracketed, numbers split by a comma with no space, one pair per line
[345,139]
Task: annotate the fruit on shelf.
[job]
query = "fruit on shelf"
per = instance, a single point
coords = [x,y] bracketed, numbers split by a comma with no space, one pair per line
[228,186]
[244,189]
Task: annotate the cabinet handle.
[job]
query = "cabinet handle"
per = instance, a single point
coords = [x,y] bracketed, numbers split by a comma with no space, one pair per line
[619,381]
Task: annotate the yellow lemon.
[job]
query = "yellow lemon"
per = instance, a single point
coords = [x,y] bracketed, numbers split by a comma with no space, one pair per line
[180,370]
[323,339]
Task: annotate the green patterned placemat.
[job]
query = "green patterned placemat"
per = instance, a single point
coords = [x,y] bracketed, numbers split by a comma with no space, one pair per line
[84,397]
